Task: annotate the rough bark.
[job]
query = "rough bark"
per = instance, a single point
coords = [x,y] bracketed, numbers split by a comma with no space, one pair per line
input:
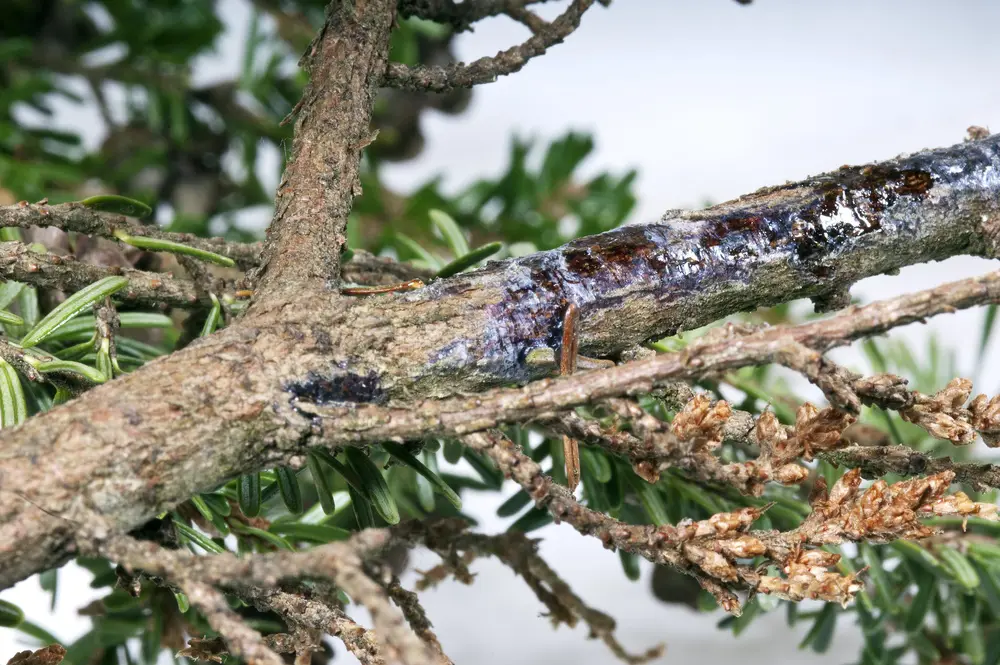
[233,402]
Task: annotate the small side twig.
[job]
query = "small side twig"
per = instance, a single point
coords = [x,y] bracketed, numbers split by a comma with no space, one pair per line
[488,69]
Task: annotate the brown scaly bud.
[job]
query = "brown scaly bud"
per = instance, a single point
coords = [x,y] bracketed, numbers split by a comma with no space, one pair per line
[942,414]
[741,547]
[701,422]
[647,471]
[960,504]
[720,523]
[845,489]
[770,434]
[806,581]
[791,474]
[820,558]
[820,430]
[713,563]
[986,419]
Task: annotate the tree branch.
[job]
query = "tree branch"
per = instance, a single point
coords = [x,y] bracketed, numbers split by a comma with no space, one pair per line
[78,218]
[487,70]
[223,406]
[545,399]
[20,263]
[306,234]
[462,15]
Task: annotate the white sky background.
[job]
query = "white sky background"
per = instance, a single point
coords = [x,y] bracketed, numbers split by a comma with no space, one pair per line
[708,99]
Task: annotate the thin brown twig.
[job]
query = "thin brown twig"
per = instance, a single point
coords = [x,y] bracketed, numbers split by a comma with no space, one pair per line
[20,263]
[488,69]
[78,218]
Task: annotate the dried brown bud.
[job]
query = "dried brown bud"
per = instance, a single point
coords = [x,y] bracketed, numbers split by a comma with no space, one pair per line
[701,422]
[742,547]
[647,471]
[986,419]
[819,431]
[791,474]
[942,414]
[713,563]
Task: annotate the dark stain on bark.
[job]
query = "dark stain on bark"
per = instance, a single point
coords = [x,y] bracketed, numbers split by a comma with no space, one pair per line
[341,386]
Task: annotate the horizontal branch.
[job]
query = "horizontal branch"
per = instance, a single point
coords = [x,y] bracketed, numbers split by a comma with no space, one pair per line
[223,405]
[546,398]
[877,461]
[20,263]
[78,218]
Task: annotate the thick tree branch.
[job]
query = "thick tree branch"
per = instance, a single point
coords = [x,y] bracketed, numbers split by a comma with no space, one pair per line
[545,399]
[320,181]
[221,406]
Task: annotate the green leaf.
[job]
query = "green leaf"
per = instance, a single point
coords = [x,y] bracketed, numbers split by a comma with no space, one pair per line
[11,615]
[878,577]
[182,602]
[468,260]
[291,493]
[630,564]
[989,320]
[375,488]
[210,515]
[214,317]
[119,205]
[70,367]
[34,630]
[597,464]
[918,554]
[990,589]
[318,533]
[249,494]
[13,408]
[72,306]
[49,581]
[218,504]
[534,519]
[452,451]
[9,292]
[432,261]
[161,245]
[492,476]
[450,231]
[921,603]
[323,490]
[198,538]
[514,504]
[273,538]
[651,500]
[84,325]
[960,568]
[403,455]
[362,508]
[103,362]
[820,635]
[10,318]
